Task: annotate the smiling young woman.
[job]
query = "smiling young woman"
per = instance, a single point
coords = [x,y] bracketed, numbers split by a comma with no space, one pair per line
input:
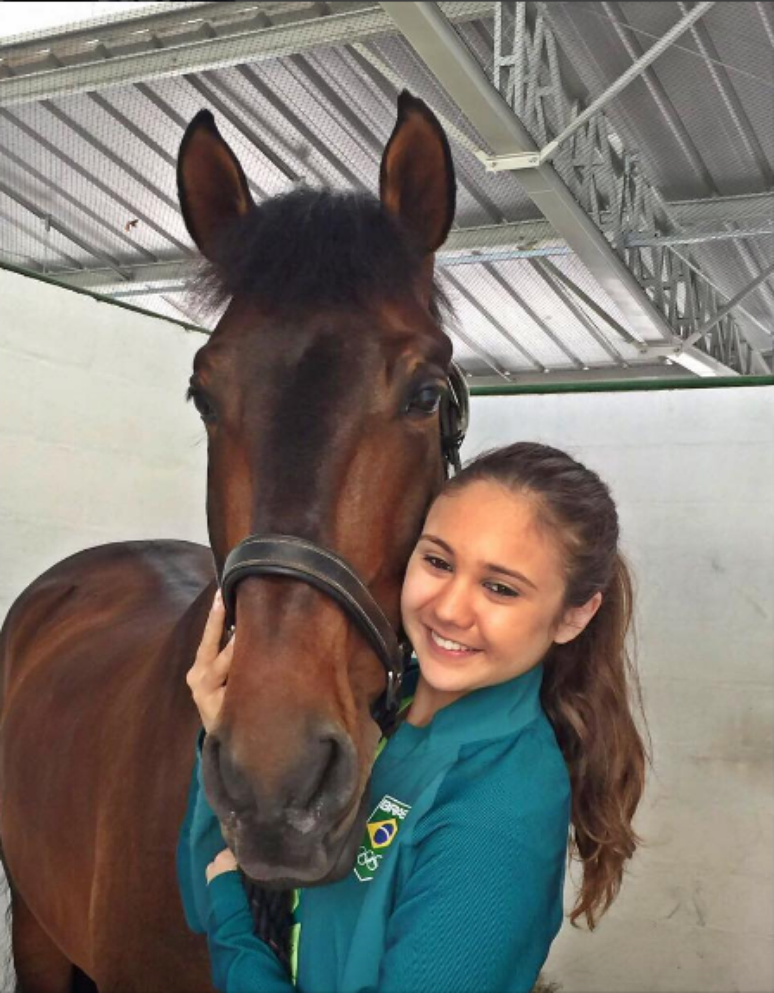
[483,597]
[518,742]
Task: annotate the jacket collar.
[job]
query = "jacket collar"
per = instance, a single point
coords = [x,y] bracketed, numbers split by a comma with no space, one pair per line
[488,713]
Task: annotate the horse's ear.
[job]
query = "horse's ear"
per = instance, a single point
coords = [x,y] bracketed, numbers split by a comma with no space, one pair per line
[416,181]
[211,185]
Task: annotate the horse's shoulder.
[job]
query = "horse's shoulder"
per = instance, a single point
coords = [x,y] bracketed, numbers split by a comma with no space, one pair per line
[149,550]
[154,555]
[113,571]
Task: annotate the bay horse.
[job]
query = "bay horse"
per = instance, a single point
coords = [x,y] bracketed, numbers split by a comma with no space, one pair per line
[321,390]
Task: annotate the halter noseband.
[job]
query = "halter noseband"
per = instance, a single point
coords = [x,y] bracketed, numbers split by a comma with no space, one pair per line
[297,558]
[287,555]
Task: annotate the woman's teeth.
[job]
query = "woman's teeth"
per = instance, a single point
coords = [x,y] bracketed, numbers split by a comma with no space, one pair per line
[450,646]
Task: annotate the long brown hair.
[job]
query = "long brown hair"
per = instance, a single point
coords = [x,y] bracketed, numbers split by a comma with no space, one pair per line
[591,691]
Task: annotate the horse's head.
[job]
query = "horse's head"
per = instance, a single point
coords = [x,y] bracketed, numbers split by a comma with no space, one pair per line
[320,392]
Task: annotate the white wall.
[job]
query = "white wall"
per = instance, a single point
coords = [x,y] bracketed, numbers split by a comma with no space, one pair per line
[693,475]
[96,441]
[96,444]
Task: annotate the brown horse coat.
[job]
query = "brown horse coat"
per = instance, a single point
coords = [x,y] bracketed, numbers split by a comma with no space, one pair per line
[318,391]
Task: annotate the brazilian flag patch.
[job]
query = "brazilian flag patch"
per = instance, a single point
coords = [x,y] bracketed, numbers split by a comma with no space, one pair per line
[382,829]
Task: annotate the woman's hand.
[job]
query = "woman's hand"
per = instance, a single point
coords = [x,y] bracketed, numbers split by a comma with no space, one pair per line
[223,862]
[208,675]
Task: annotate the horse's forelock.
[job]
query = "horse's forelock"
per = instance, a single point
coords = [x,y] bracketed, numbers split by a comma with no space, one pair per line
[313,249]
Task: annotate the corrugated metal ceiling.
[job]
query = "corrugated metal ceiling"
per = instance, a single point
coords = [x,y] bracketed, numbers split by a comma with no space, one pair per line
[91,119]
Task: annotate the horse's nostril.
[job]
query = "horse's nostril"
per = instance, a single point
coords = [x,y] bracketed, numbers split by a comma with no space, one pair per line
[313,789]
[322,764]
[235,784]
[326,781]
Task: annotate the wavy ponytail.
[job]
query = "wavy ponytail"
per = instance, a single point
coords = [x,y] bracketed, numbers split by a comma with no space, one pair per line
[590,690]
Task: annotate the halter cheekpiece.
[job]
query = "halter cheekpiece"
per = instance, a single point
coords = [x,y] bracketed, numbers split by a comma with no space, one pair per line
[297,558]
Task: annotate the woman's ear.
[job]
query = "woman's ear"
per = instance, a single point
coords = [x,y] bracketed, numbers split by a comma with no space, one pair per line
[575,620]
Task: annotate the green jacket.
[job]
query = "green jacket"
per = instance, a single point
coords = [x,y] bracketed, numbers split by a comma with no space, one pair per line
[457,885]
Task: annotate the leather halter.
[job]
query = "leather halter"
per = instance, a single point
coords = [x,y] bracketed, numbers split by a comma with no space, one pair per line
[286,555]
[297,558]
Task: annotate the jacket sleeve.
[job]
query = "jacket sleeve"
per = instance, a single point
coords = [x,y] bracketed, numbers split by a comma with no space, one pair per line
[199,842]
[483,899]
[241,962]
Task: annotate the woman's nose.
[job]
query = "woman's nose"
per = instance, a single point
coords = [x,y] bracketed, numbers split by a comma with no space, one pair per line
[453,604]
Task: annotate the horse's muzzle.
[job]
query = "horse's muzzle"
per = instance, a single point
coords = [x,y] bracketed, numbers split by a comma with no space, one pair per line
[294,825]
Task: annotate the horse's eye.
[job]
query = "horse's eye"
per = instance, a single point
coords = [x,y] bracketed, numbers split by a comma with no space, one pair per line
[425,401]
[202,404]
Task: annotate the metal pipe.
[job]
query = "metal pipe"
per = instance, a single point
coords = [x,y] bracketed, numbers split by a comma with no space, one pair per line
[52,281]
[466,82]
[701,238]
[624,386]
[631,73]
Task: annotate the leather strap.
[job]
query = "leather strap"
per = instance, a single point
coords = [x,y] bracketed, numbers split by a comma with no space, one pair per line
[297,558]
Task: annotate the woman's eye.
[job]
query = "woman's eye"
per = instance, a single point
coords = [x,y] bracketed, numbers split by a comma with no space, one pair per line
[437,563]
[500,590]
[425,401]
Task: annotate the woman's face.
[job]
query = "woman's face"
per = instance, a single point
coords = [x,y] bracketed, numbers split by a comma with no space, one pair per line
[483,596]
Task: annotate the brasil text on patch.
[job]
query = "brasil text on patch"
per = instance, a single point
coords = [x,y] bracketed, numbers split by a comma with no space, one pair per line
[382,829]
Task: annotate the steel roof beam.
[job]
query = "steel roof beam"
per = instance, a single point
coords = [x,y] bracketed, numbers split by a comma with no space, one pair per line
[592,304]
[301,128]
[577,312]
[88,138]
[500,328]
[490,242]
[177,271]
[455,67]
[390,83]
[634,70]
[730,99]
[628,38]
[215,53]
[701,238]
[716,211]
[128,20]
[692,359]
[206,92]
[29,232]
[83,208]
[732,303]
[536,319]
[671,218]
[762,344]
[109,191]
[64,230]
[595,374]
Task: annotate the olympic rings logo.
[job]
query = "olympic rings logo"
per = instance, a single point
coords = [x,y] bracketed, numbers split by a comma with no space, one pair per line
[367,859]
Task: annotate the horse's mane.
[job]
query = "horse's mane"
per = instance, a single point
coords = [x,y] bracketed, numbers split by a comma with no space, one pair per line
[313,248]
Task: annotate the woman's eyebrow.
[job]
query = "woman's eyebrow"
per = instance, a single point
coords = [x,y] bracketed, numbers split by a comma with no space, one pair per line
[511,572]
[489,566]
[438,541]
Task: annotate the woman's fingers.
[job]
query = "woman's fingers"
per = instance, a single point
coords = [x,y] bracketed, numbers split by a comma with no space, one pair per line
[223,862]
[208,672]
[222,661]
[213,674]
[208,675]
[213,629]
